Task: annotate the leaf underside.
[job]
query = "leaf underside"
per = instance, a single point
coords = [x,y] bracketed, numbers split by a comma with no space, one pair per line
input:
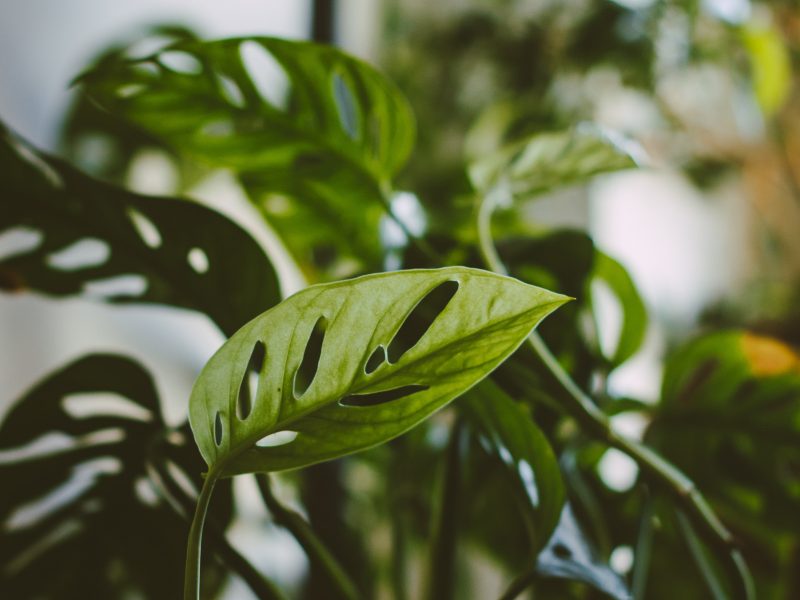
[363,390]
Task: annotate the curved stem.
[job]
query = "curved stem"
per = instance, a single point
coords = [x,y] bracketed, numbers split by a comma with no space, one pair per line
[594,422]
[182,504]
[191,582]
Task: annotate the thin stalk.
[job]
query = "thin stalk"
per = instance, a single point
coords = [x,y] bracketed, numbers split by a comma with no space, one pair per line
[644,546]
[315,548]
[443,559]
[594,422]
[230,557]
[700,559]
[191,582]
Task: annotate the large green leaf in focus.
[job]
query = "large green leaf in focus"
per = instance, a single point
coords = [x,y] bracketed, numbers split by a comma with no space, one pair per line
[84,512]
[335,365]
[318,158]
[66,233]
[507,432]
[545,161]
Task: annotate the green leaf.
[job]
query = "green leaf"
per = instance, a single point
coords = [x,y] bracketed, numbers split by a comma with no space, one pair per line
[336,365]
[75,234]
[729,417]
[508,433]
[76,453]
[545,161]
[634,313]
[319,162]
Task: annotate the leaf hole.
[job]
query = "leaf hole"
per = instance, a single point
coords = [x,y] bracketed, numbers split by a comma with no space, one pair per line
[308,367]
[420,319]
[181,478]
[561,551]
[129,90]
[82,478]
[248,388]
[83,254]
[377,398]
[145,492]
[83,406]
[231,91]
[218,429]
[377,358]
[117,287]
[198,260]
[180,62]
[218,128]
[146,229]
[279,438]
[37,162]
[268,76]
[19,240]
[345,105]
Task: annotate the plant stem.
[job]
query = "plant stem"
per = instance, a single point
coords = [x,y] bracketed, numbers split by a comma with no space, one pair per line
[594,422]
[180,502]
[191,585]
[443,560]
[307,538]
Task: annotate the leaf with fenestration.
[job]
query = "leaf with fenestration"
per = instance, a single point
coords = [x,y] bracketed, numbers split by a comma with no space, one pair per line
[77,454]
[334,369]
[545,161]
[64,233]
[321,129]
[507,432]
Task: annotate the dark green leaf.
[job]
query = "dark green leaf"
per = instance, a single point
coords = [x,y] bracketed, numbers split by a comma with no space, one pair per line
[507,432]
[90,237]
[318,161]
[347,402]
[729,417]
[81,506]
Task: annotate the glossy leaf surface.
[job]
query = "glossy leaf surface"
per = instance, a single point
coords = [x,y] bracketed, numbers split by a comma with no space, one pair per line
[363,390]
[323,131]
[90,237]
[82,501]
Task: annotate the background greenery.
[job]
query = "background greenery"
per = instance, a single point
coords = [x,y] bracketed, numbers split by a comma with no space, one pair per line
[501,96]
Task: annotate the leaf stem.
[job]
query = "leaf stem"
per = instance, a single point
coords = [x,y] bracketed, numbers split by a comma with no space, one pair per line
[191,585]
[181,503]
[308,539]
[595,423]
